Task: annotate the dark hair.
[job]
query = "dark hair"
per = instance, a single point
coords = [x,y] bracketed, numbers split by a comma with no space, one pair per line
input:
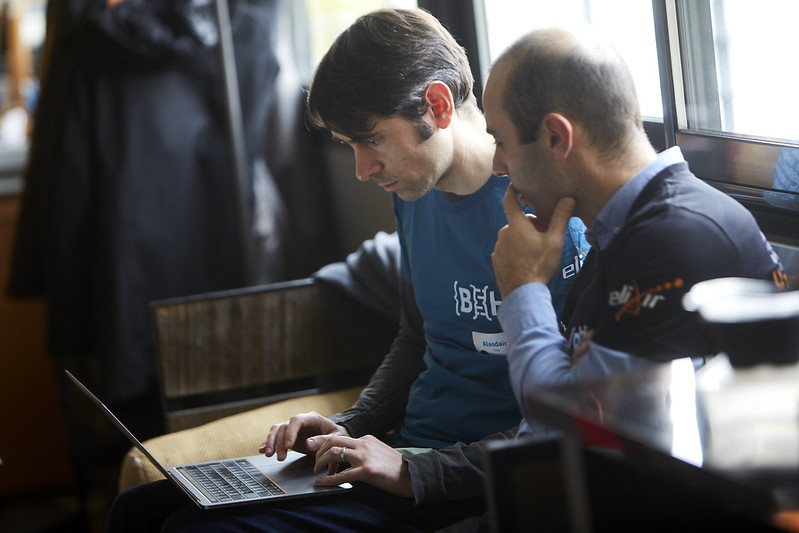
[381,66]
[587,81]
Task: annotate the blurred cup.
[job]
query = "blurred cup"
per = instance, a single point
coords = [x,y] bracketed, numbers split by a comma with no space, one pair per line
[750,320]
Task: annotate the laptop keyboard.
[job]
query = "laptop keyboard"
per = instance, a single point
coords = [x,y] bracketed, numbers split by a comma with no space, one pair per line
[235,480]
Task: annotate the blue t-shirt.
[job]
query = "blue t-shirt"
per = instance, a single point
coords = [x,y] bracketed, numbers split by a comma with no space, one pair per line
[465,393]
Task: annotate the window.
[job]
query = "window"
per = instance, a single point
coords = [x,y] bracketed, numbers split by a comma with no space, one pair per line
[22,34]
[733,83]
[726,68]
[633,33]
[326,19]
[740,76]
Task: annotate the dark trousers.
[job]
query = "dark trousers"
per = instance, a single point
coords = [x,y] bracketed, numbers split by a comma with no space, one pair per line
[159,506]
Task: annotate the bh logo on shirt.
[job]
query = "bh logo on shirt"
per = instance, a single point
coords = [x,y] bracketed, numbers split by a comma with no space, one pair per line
[474,301]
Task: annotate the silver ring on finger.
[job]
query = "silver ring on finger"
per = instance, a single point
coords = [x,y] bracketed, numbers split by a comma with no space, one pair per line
[341,454]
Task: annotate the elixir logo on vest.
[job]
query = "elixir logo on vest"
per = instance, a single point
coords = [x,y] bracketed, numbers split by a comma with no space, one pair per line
[576,336]
[574,267]
[474,301]
[633,300]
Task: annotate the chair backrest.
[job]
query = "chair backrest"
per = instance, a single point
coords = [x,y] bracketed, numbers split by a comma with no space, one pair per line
[535,485]
[225,352]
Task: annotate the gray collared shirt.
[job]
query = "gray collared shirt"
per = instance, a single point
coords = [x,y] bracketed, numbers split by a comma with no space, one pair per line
[610,220]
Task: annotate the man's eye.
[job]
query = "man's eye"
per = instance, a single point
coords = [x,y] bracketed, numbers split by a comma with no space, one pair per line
[372,142]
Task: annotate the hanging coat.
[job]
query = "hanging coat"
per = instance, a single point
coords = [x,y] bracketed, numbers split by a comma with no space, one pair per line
[129,191]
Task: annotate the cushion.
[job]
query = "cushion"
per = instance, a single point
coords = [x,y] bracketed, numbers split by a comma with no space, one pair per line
[233,436]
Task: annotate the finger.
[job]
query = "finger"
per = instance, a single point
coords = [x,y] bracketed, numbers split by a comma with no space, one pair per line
[349,475]
[282,443]
[268,446]
[329,454]
[314,443]
[335,459]
[512,206]
[561,215]
[328,458]
[265,444]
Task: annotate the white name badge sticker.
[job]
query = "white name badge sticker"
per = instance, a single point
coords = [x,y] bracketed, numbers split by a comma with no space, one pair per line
[490,343]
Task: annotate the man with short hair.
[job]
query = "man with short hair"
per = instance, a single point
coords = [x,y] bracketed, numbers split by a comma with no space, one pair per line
[563,110]
[397,89]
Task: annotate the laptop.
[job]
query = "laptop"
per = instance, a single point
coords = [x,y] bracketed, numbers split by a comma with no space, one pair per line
[232,482]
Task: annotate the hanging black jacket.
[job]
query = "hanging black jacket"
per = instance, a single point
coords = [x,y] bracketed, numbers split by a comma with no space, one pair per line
[129,191]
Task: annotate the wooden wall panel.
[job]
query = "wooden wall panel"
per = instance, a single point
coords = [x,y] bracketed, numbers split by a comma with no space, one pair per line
[32,426]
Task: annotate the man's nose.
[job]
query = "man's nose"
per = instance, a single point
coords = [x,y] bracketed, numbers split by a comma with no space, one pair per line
[366,165]
[498,166]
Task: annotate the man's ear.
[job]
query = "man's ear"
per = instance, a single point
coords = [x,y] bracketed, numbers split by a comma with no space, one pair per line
[558,133]
[439,98]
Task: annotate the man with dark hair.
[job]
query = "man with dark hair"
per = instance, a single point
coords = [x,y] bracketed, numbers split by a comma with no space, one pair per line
[397,88]
[563,111]
[381,66]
